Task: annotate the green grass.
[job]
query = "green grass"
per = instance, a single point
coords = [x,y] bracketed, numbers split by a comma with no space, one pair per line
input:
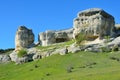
[22,53]
[55,46]
[83,66]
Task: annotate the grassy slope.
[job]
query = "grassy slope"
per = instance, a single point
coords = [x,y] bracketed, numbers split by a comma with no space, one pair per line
[85,66]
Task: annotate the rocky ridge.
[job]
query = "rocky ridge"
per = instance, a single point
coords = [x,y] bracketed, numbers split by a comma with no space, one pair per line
[98,25]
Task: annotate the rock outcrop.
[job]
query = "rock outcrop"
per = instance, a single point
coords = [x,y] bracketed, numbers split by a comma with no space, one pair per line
[19,60]
[94,23]
[4,58]
[51,37]
[24,38]
[117,30]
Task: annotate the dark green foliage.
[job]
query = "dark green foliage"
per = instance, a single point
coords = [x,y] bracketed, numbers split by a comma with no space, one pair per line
[47,74]
[6,50]
[22,53]
[115,58]
[36,66]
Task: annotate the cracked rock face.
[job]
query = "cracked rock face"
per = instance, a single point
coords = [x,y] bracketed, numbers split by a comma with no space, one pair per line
[94,22]
[24,38]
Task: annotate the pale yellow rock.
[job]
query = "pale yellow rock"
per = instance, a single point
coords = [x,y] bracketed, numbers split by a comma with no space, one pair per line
[93,22]
[24,38]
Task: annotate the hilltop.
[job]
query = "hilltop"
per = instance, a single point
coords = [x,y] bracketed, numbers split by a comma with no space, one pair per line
[89,50]
[94,30]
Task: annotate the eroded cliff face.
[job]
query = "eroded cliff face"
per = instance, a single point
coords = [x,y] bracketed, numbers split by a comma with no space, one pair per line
[24,38]
[94,22]
[50,37]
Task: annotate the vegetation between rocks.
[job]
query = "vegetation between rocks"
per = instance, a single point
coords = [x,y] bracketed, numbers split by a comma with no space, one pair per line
[22,53]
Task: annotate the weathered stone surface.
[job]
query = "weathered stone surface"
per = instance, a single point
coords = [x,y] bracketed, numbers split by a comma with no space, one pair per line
[32,51]
[36,57]
[63,51]
[24,38]
[94,23]
[18,60]
[51,37]
[13,56]
[116,41]
[4,58]
[93,49]
[73,48]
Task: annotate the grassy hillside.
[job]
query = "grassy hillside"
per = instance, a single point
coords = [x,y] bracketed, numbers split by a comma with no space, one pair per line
[78,66]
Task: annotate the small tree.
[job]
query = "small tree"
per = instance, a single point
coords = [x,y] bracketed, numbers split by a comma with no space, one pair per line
[22,53]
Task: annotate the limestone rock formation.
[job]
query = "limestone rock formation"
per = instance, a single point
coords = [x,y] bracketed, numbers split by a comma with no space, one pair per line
[94,23]
[4,58]
[117,30]
[24,38]
[36,57]
[51,37]
[19,60]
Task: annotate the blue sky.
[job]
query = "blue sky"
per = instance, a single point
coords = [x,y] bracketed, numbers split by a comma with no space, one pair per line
[41,15]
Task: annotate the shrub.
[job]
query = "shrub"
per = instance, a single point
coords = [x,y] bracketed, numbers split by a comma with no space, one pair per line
[47,74]
[69,69]
[80,37]
[22,53]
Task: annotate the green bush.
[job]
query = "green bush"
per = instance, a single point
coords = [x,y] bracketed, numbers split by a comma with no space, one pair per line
[22,53]
[80,37]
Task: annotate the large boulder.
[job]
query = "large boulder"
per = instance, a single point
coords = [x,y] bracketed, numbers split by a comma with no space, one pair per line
[24,38]
[50,37]
[36,57]
[18,60]
[4,58]
[94,23]
[63,51]
[115,41]
[74,49]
